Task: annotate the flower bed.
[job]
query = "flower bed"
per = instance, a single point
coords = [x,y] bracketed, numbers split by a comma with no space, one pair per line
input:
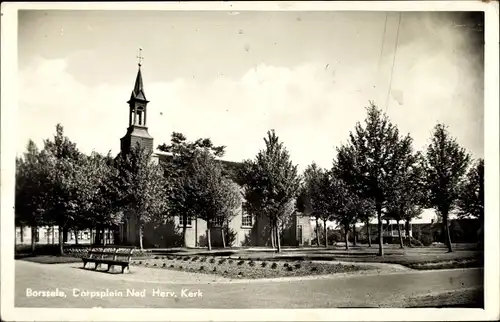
[239,268]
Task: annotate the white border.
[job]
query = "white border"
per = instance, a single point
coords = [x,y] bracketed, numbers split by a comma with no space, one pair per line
[491,128]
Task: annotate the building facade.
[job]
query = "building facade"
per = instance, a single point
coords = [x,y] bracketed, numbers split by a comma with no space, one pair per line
[245,229]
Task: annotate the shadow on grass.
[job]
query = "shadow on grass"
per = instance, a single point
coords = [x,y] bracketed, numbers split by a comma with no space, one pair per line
[111,272]
[48,259]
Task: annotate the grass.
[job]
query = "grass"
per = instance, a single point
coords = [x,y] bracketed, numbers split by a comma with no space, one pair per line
[251,269]
[51,259]
[416,258]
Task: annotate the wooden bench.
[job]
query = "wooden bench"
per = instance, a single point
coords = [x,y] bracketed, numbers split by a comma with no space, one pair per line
[112,255]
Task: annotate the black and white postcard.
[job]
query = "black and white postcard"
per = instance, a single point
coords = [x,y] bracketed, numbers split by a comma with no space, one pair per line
[250,161]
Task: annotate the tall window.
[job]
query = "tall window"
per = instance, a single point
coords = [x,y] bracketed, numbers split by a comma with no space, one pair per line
[246,220]
[299,234]
[188,223]
[218,221]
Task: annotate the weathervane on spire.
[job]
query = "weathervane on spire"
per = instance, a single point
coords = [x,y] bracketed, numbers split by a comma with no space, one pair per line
[140,56]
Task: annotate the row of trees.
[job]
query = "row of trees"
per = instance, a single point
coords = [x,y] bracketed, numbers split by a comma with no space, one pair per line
[60,186]
[378,174]
[375,174]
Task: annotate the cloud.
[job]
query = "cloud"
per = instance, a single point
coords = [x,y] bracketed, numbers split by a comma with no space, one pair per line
[311,107]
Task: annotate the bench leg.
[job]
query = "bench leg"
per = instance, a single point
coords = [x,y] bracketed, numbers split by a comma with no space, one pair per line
[84,263]
[109,267]
[123,268]
[96,264]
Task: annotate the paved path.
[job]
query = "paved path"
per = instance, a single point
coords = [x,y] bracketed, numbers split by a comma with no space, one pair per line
[393,289]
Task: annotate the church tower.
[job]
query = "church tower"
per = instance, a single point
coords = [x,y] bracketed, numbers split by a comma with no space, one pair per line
[137,131]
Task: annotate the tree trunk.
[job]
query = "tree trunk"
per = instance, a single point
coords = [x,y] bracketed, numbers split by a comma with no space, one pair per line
[346,236]
[407,230]
[400,236]
[61,241]
[317,231]
[447,232]
[22,237]
[97,236]
[140,236]
[223,237]
[326,235]
[209,236]
[104,235]
[33,238]
[278,239]
[273,240]
[368,234]
[354,237]
[76,236]
[48,235]
[196,231]
[92,236]
[65,234]
[53,235]
[380,240]
[184,228]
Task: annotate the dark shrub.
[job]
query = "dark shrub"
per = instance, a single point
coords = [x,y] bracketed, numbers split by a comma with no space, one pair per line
[140,262]
[195,259]
[157,257]
[274,266]
[230,236]
[155,264]
[251,263]
[297,266]
[286,265]
[164,264]
[222,261]
[225,273]
[172,266]
[264,264]
[241,262]
[204,259]
[181,267]
[426,239]
[212,260]
[289,268]
[186,258]
[215,269]
[202,268]
[230,261]
[314,269]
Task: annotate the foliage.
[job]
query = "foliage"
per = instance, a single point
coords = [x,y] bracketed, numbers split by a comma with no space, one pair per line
[314,193]
[271,182]
[444,167]
[209,193]
[30,195]
[367,163]
[139,185]
[178,168]
[471,196]
[407,197]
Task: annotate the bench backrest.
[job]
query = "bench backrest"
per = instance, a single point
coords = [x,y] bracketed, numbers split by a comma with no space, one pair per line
[111,252]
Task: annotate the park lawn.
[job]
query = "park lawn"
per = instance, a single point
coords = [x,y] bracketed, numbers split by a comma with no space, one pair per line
[239,268]
[415,258]
[50,259]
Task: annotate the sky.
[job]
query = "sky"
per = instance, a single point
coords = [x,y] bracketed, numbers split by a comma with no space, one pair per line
[232,76]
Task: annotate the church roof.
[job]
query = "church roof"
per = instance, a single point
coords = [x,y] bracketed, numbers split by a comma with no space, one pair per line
[138,92]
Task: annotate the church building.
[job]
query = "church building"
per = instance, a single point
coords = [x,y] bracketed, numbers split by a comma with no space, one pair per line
[248,231]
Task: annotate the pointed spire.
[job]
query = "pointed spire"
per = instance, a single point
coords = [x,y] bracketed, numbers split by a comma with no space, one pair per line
[138,92]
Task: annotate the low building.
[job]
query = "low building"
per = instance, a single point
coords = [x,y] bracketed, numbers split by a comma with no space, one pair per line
[246,230]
